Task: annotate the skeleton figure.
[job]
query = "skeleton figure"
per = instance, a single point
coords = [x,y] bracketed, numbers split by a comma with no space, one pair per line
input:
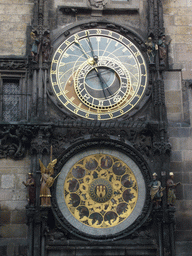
[46,182]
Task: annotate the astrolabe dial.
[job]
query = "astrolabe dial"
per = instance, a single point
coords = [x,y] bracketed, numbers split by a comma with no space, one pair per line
[104,91]
[98,74]
[100,191]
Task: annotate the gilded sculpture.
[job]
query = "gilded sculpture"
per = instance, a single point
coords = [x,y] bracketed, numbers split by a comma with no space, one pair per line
[46,182]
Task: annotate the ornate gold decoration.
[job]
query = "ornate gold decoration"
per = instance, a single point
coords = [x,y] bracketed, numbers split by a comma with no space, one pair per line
[98,74]
[100,191]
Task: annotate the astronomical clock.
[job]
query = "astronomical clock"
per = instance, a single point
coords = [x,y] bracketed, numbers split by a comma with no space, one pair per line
[101,193]
[98,73]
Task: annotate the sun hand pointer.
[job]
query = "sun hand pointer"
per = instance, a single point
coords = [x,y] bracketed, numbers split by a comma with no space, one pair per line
[90,60]
[90,44]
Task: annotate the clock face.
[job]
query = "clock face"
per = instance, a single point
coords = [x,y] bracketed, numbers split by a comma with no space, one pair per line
[98,74]
[100,192]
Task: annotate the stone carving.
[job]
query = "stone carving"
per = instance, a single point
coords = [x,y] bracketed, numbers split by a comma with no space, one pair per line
[171,186]
[14,140]
[12,64]
[30,184]
[98,3]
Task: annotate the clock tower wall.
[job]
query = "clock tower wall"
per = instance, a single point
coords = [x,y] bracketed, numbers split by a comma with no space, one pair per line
[92,98]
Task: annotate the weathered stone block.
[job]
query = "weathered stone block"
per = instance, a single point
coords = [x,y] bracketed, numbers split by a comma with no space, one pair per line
[183,20]
[187,191]
[175,143]
[176,156]
[13,230]
[174,108]
[176,166]
[5,217]
[18,217]
[8,181]
[174,117]
[173,97]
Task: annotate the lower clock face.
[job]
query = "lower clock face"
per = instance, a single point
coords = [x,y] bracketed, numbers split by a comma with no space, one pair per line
[100,192]
[98,74]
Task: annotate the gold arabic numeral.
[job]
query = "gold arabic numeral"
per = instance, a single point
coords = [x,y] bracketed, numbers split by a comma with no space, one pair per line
[99,117]
[76,110]
[60,51]
[110,33]
[111,115]
[55,83]
[53,72]
[144,75]
[121,111]
[120,38]
[66,103]
[130,44]
[139,96]
[76,37]
[98,31]
[59,94]
[137,54]
[55,61]
[67,43]
[87,115]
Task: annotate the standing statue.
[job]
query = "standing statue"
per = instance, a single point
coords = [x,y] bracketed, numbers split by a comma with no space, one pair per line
[30,184]
[35,45]
[156,191]
[171,186]
[163,50]
[151,50]
[46,182]
[46,47]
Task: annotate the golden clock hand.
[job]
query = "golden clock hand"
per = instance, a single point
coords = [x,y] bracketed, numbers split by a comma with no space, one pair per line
[90,44]
[90,60]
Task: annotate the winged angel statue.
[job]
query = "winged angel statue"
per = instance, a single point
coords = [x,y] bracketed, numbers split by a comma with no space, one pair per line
[46,182]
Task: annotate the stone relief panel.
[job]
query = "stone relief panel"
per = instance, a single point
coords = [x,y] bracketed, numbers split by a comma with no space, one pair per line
[107,4]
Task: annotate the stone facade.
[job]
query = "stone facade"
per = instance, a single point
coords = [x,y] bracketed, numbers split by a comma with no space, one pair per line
[177,18]
[16,17]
